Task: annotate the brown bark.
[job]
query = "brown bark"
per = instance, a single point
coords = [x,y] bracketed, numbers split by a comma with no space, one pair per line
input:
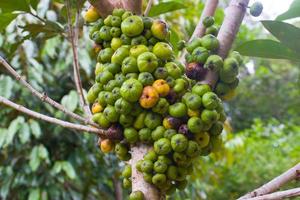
[138,183]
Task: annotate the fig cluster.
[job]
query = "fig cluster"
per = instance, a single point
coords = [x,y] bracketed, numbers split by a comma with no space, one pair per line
[142,94]
[202,57]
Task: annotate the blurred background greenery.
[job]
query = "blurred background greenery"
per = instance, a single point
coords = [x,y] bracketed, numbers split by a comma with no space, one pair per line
[44,161]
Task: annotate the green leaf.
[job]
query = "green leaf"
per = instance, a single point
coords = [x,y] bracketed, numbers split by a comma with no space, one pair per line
[15,5]
[34,161]
[33,3]
[34,194]
[5,19]
[35,128]
[267,49]
[165,7]
[2,136]
[50,29]
[6,86]
[24,133]
[12,129]
[43,153]
[286,33]
[68,168]
[70,101]
[57,167]
[174,39]
[292,12]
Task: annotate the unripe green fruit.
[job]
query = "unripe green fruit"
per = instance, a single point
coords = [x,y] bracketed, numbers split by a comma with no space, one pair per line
[172,172]
[222,89]
[120,78]
[160,166]
[136,195]
[139,120]
[208,21]
[169,133]
[165,159]
[148,21]
[146,166]
[192,149]
[126,173]
[163,50]
[173,70]
[214,63]
[180,45]
[131,90]
[147,62]
[159,29]
[138,40]
[136,50]
[180,158]
[193,45]
[162,146]
[119,55]
[105,55]
[153,120]
[195,124]
[129,65]
[209,116]
[145,135]
[136,110]
[121,149]
[256,9]
[201,89]
[202,139]
[125,39]
[161,106]
[147,177]
[200,55]
[118,12]
[113,68]
[213,30]
[132,76]
[107,20]
[126,121]
[112,84]
[116,43]
[210,42]
[179,143]
[126,183]
[158,133]
[111,114]
[131,135]
[126,14]
[178,110]
[181,173]
[122,106]
[193,101]
[138,165]
[146,78]
[234,84]
[151,155]
[132,26]
[159,179]
[216,128]
[104,33]
[210,100]
[93,92]
[236,55]
[229,71]
[161,73]
[116,21]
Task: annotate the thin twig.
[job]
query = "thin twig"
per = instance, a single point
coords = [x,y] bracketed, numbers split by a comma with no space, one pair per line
[209,10]
[279,195]
[276,183]
[234,15]
[73,35]
[148,8]
[51,119]
[43,96]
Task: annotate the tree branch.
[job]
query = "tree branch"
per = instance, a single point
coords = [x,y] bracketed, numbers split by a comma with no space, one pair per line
[73,35]
[51,119]
[117,187]
[279,195]
[148,8]
[134,6]
[43,97]
[105,7]
[209,10]
[234,15]
[138,183]
[276,183]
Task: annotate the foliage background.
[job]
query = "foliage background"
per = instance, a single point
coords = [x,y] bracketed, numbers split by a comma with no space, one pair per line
[43,161]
